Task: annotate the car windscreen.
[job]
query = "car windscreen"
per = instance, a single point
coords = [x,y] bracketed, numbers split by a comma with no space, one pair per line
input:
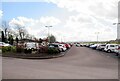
[103,45]
[113,45]
[53,45]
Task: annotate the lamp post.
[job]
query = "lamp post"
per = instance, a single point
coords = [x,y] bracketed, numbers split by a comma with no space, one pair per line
[48,32]
[118,30]
[97,35]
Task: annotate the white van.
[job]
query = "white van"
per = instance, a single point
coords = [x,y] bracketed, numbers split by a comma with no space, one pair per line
[31,46]
[110,47]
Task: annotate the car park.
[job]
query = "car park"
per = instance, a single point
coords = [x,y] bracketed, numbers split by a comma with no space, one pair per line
[110,47]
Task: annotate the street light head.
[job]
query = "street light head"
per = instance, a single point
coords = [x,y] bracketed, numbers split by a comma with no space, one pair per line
[48,26]
[116,23]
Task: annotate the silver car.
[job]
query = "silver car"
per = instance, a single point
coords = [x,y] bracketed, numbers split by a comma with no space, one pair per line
[117,50]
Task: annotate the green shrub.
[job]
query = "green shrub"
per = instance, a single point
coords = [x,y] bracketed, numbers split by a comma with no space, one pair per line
[19,49]
[53,50]
[8,49]
[43,49]
[13,49]
[27,51]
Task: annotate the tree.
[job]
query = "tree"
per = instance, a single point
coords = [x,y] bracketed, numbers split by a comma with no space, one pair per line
[3,37]
[17,40]
[10,39]
[21,31]
[40,40]
[5,28]
[52,39]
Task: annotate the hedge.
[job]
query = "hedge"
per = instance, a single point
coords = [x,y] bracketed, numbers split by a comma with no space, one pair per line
[8,49]
[53,51]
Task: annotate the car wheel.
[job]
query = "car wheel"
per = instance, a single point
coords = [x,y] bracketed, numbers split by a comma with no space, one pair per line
[25,50]
[117,54]
[102,49]
[62,50]
[109,51]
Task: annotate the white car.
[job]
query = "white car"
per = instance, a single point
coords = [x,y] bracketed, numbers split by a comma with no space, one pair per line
[110,47]
[101,47]
[117,50]
[78,45]
[94,46]
[31,45]
[2,44]
[63,47]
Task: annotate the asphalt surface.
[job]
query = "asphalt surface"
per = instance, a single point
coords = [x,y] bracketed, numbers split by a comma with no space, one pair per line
[0,68]
[78,63]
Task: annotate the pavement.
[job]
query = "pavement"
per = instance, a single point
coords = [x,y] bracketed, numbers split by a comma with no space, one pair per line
[78,63]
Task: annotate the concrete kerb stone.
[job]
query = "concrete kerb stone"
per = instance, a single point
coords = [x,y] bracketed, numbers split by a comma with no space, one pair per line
[43,57]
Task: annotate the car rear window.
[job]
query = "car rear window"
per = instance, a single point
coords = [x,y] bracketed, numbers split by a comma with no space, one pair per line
[53,45]
[113,45]
[103,45]
[56,45]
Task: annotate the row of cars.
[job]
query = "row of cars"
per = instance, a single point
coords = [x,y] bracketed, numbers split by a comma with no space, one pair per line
[103,47]
[62,47]
[107,48]
[33,46]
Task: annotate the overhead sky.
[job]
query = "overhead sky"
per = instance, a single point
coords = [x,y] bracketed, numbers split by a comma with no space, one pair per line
[71,20]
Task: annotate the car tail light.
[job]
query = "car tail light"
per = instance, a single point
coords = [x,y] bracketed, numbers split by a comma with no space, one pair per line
[118,48]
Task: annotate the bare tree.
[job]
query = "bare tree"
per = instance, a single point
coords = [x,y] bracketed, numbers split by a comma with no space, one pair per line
[52,39]
[21,31]
[5,27]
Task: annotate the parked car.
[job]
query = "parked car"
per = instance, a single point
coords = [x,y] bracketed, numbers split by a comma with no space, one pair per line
[56,46]
[101,47]
[2,44]
[77,44]
[117,50]
[87,45]
[70,44]
[67,45]
[94,46]
[31,46]
[110,47]
[63,47]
